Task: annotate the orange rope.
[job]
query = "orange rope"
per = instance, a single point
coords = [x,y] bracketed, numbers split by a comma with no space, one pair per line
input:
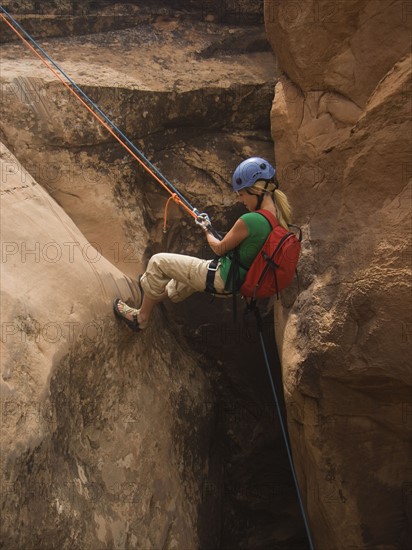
[175,198]
[102,122]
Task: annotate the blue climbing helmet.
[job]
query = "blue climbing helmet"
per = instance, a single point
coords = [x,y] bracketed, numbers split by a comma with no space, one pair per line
[250,171]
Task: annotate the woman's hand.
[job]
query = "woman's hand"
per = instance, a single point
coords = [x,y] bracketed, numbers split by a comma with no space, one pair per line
[236,235]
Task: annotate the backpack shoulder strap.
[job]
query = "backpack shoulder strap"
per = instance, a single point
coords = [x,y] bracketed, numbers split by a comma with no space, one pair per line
[299,231]
[269,216]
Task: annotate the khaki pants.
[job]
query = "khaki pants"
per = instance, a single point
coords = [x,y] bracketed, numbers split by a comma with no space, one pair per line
[178,275]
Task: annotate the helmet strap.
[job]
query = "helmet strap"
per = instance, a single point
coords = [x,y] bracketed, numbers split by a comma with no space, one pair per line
[262,195]
[258,197]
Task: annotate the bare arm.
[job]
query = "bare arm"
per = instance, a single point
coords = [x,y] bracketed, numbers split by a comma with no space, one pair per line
[236,235]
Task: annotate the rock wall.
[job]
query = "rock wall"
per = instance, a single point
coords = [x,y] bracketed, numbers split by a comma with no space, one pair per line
[75,17]
[341,122]
[205,85]
[114,442]
[170,440]
[97,446]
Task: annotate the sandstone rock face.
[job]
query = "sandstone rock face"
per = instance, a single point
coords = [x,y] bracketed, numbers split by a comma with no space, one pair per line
[72,17]
[169,440]
[158,94]
[95,451]
[341,121]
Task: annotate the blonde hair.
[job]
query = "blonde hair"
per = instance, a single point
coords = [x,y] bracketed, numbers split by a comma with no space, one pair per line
[283,208]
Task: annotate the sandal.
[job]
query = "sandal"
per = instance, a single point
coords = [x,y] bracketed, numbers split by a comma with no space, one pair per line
[133,325]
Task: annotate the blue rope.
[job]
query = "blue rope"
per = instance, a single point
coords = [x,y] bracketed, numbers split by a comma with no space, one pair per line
[282,425]
[107,119]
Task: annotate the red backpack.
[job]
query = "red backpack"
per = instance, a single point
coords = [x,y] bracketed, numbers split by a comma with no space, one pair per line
[275,265]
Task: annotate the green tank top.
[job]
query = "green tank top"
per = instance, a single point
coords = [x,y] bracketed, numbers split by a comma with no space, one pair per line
[258,231]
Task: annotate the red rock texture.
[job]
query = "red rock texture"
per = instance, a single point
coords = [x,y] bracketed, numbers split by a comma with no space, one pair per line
[341,122]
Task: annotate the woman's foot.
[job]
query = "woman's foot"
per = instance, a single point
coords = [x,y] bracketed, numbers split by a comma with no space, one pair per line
[128,315]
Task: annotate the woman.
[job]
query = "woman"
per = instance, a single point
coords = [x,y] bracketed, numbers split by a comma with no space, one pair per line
[176,276]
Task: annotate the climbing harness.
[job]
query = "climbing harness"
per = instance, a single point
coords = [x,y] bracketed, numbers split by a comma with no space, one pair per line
[245,173]
[100,116]
[210,277]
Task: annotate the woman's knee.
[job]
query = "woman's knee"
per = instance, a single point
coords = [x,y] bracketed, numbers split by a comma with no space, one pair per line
[157,260]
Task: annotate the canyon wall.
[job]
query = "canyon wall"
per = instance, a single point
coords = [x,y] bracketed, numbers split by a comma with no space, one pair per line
[341,122]
[96,441]
[168,439]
